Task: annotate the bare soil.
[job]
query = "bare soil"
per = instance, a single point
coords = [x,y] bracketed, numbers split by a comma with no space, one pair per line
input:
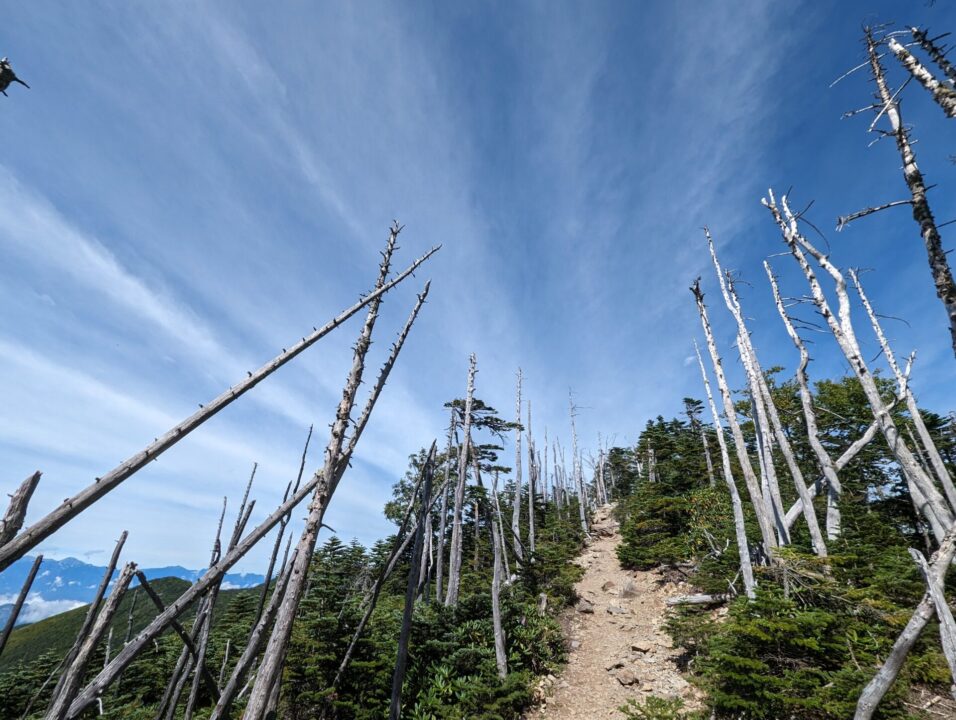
[618,648]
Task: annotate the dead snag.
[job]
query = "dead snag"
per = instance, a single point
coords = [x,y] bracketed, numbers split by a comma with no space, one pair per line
[454,560]
[942,93]
[753,487]
[740,528]
[516,495]
[73,674]
[937,53]
[18,605]
[501,655]
[71,507]
[424,509]
[17,509]
[938,262]
[443,512]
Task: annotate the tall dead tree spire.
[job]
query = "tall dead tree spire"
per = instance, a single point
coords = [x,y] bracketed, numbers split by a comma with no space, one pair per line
[942,93]
[454,561]
[576,466]
[516,495]
[922,214]
[740,527]
[443,512]
[753,486]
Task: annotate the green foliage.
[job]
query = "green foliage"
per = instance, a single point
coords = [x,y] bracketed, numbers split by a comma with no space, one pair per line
[655,708]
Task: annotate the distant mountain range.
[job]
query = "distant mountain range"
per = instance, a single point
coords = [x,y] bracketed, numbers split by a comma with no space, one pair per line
[64,584]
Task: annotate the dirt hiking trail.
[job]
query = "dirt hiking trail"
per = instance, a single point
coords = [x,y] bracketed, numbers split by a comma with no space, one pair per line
[618,649]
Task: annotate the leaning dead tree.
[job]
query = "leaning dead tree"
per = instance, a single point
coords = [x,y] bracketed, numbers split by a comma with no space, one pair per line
[320,487]
[927,497]
[18,603]
[938,262]
[941,91]
[740,528]
[73,506]
[454,560]
[750,478]
[337,455]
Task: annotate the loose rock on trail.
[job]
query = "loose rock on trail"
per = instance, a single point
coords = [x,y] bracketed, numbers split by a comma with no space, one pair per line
[618,649]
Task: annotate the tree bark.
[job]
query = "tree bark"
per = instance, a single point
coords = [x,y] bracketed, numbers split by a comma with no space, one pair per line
[443,512]
[398,677]
[532,483]
[73,506]
[501,657]
[17,509]
[454,561]
[516,496]
[935,52]
[73,674]
[947,626]
[740,528]
[888,672]
[576,467]
[943,95]
[756,496]
[938,262]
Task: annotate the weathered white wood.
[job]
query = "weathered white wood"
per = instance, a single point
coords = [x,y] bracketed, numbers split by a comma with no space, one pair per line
[17,509]
[516,494]
[827,466]
[454,561]
[922,214]
[740,528]
[885,677]
[443,512]
[753,487]
[947,626]
[501,655]
[700,599]
[335,464]
[841,327]
[73,674]
[943,94]
[532,483]
[906,393]
[576,468]
[73,506]
[935,52]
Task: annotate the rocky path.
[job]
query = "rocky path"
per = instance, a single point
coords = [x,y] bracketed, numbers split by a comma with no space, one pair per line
[619,650]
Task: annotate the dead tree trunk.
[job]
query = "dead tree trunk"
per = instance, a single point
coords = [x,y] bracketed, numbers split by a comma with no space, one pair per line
[937,53]
[18,605]
[532,483]
[906,393]
[73,674]
[827,466]
[935,507]
[740,528]
[270,669]
[17,509]
[501,656]
[753,487]
[398,678]
[516,496]
[454,560]
[71,507]
[942,93]
[947,626]
[576,468]
[885,677]
[443,513]
[938,262]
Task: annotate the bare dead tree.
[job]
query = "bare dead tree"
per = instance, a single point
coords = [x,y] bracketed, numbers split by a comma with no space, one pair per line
[937,53]
[454,561]
[932,503]
[827,466]
[17,509]
[740,528]
[942,93]
[18,604]
[947,626]
[890,669]
[753,487]
[73,506]
[906,393]
[576,467]
[516,495]
[337,455]
[443,512]
[73,674]
[398,677]
[501,656]
[532,484]
[922,214]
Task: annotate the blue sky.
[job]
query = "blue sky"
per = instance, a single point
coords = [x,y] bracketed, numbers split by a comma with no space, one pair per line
[185,190]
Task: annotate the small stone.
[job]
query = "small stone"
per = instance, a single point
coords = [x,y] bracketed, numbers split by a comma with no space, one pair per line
[627,677]
[608,586]
[614,665]
[615,610]
[641,647]
[585,606]
[575,644]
